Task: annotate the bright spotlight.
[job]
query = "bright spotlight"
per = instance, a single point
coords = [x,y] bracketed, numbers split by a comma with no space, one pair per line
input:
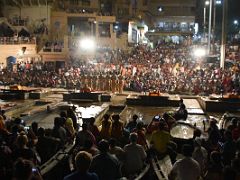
[207,3]
[235,22]
[199,52]
[87,44]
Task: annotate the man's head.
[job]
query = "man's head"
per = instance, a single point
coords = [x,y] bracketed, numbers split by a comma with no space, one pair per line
[83,161]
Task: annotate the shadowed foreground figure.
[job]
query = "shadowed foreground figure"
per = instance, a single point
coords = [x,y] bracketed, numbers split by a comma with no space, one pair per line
[82,162]
[105,165]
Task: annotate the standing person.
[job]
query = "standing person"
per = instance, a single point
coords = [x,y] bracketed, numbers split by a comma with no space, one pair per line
[82,164]
[117,127]
[186,168]
[93,128]
[105,165]
[105,131]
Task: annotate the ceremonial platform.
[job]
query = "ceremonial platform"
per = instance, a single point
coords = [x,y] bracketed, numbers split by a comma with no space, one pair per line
[17,92]
[87,97]
[153,99]
[220,104]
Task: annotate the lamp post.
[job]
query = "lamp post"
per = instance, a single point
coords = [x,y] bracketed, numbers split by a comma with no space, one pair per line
[224,37]
[204,18]
[209,26]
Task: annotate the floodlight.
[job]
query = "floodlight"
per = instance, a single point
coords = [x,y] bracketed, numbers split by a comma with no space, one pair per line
[235,22]
[207,3]
[87,44]
[199,52]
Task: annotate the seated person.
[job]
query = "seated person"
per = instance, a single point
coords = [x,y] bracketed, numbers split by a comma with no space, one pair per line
[181,113]
[134,156]
[82,163]
[131,125]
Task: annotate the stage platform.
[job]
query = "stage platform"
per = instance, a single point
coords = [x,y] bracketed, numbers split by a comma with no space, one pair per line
[87,97]
[23,93]
[219,104]
[146,100]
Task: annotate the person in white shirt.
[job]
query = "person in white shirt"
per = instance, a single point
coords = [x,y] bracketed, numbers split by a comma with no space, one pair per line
[134,156]
[186,168]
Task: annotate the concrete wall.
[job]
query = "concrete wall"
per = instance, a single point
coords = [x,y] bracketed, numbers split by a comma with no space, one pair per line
[15,51]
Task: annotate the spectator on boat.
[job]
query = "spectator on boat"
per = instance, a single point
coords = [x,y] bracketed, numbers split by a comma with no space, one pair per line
[186,168]
[233,124]
[105,131]
[82,163]
[58,131]
[5,160]
[46,146]
[169,119]
[23,170]
[22,150]
[93,128]
[132,124]
[84,135]
[71,114]
[90,147]
[116,150]
[69,129]
[181,113]
[141,132]
[161,144]
[214,170]
[236,132]
[3,130]
[213,136]
[200,154]
[105,165]
[153,125]
[228,149]
[236,166]
[117,127]
[135,156]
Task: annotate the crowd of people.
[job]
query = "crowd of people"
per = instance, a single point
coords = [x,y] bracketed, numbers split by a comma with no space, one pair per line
[168,68]
[117,148]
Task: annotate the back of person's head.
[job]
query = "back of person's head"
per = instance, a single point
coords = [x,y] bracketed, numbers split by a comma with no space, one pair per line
[116,117]
[133,137]
[41,132]
[84,126]
[229,173]
[182,106]
[63,114]
[215,157]
[112,142]
[106,117]
[21,140]
[103,146]
[22,169]
[228,135]
[83,161]
[187,150]
[34,126]
[88,144]
[92,120]
[57,121]
[135,117]
[234,121]
[161,125]
[139,125]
